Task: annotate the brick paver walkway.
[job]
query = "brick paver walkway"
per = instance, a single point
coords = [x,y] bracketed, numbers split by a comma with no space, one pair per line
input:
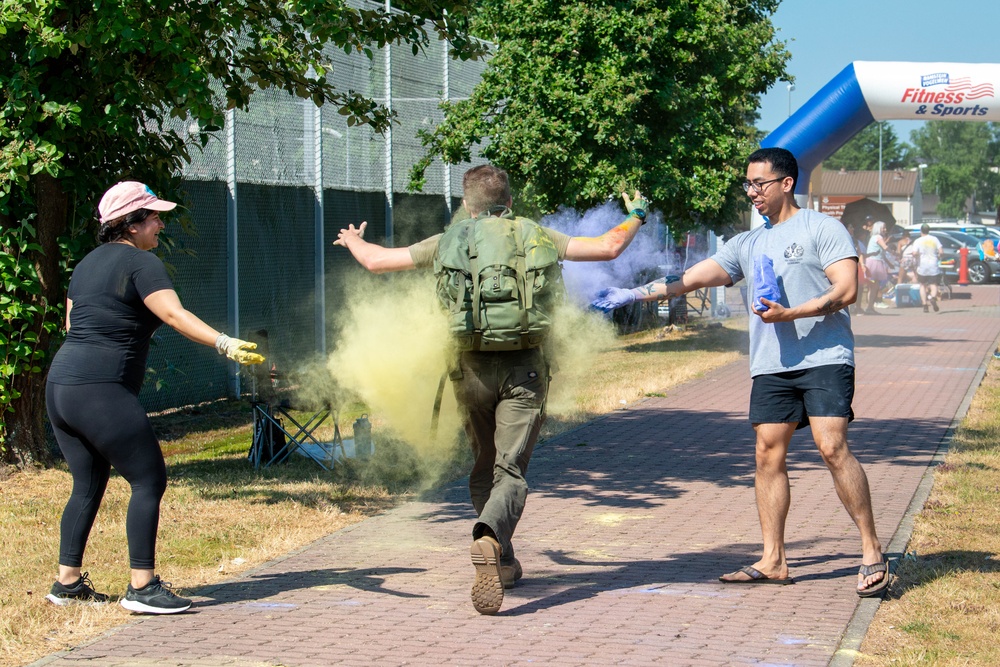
[630,520]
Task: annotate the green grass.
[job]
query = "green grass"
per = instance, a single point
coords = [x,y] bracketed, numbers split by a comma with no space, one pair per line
[944,606]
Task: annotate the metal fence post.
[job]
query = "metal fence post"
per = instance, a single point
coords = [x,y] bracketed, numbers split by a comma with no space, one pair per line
[232,246]
[388,140]
[312,141]
[445,96]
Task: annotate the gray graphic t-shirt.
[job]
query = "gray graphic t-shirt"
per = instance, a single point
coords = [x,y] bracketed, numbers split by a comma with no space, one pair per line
[801,248]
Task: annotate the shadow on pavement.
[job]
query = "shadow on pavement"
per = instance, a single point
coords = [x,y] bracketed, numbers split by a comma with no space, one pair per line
[262,586]
[692,574]
[647,469]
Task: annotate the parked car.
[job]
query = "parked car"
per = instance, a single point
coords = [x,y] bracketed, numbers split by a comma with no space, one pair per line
[980,232]
[980,272]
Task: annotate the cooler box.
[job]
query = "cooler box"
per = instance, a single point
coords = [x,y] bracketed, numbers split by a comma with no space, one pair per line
[907,295]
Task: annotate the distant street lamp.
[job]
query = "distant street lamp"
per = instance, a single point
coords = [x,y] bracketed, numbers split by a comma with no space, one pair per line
[791,87]
[920,185]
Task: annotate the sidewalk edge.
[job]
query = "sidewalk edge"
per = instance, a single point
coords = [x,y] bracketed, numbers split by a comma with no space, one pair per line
[850,644]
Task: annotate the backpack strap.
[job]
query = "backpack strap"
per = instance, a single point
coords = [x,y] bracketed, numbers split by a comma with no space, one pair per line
[524,300]
[477,324]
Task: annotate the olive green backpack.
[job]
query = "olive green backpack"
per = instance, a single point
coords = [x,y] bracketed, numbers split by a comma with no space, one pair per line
[499,279]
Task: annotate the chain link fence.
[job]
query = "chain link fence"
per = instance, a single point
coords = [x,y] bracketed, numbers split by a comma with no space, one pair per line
[267,196]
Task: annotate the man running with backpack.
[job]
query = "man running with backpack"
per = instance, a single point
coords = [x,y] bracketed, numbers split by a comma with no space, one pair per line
[498,279]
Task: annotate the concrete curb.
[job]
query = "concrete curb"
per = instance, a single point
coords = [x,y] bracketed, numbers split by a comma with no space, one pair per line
[857,628]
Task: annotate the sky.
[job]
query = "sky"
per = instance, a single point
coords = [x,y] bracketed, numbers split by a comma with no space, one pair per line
[825,37]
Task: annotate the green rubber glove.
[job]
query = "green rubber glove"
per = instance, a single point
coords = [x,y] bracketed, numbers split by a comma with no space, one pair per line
[636,205]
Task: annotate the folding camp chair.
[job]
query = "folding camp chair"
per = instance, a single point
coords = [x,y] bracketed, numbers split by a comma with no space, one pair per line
[274,443]
[699,302]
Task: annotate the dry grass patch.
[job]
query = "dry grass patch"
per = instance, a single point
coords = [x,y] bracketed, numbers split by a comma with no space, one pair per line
[221,517]
[944,607]
[642,365]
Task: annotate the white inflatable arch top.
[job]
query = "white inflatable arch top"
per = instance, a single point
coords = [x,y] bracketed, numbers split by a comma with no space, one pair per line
[865,92]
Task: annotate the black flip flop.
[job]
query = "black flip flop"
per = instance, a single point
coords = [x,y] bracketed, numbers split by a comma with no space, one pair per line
[882,585]
[756,577]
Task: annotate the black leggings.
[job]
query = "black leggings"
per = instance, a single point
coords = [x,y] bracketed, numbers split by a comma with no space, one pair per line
[99,426]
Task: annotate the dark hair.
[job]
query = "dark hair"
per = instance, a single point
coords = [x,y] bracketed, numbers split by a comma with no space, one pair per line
[485,187]
[782,162]
[925,228]
[116,229]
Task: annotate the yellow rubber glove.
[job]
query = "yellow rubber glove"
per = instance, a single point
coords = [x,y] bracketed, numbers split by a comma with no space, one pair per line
[238,350]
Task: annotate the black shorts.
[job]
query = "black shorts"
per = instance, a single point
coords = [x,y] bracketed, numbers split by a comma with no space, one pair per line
[792,396]
[928,280]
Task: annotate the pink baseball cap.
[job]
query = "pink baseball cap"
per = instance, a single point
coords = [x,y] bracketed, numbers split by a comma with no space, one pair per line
[128,196]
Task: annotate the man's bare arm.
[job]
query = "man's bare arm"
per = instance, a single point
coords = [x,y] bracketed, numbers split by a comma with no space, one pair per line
[611,243]
[706,273]
[373,257]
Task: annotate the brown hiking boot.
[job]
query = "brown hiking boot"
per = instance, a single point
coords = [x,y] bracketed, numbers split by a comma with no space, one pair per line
[509,574]
[487,589]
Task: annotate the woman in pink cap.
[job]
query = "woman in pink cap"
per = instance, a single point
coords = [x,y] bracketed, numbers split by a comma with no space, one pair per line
[119,294]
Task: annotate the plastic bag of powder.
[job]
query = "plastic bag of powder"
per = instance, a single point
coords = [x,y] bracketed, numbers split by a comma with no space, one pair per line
[765,283]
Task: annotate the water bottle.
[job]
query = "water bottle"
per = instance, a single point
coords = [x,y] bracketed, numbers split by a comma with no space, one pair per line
[362,437]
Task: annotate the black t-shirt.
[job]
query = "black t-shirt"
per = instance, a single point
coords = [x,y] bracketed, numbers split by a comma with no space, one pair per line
[110,326]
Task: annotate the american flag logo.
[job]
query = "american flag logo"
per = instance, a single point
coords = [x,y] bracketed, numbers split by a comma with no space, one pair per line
[970,90]
[963,85]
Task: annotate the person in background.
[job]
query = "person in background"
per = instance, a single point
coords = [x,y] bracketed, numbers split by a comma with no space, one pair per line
[859,248]
[907,262]
[801,355]
[927,249]
[501,393]
[876,266]
[119,294]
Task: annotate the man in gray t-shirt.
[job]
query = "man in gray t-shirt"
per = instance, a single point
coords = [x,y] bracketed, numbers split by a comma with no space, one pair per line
[801,252]
[801,354]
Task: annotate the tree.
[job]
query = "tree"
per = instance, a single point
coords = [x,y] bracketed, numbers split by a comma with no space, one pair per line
[861,153]
[85,88]
[585,98]
[962,158]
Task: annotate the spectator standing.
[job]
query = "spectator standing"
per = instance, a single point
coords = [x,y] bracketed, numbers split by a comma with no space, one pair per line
[119,294]
[859,248]
[877,266]
[907,262]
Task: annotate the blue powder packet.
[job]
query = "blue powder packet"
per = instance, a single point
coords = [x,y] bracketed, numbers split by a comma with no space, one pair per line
[765,283]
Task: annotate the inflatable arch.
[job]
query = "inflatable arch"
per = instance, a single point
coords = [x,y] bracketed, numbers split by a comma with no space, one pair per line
[865,92]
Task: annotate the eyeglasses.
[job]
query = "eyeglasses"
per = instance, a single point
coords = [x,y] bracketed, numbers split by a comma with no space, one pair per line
[758,186]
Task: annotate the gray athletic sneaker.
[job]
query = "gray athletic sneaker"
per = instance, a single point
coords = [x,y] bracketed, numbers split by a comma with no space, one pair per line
[81,591]
[154,598]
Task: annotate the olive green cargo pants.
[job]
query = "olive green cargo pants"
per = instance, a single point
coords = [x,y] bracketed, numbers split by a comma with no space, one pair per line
[502,398]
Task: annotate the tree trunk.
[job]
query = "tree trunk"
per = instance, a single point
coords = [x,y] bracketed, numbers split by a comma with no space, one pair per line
[27,444]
